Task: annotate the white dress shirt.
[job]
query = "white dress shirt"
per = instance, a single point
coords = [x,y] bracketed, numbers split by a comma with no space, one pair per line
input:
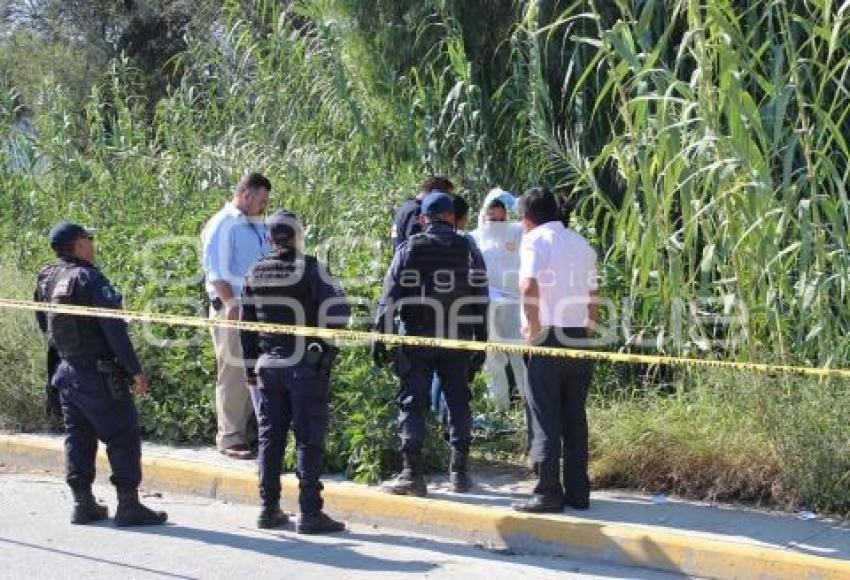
[564,265]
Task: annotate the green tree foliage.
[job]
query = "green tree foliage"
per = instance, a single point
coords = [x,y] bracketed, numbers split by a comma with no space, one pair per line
[703,144]
[74,42]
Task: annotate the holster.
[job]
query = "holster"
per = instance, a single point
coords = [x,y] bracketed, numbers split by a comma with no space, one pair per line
[320,356]
[117,379]
[331,352]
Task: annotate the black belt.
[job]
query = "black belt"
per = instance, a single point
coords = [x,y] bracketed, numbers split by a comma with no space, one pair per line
[85,361]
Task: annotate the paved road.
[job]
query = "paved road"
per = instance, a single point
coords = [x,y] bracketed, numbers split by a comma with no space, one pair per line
[212,539]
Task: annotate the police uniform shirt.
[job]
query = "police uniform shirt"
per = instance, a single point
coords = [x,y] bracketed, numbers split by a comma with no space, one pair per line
[393,288]
[330,302]
[406,222]
[87,286]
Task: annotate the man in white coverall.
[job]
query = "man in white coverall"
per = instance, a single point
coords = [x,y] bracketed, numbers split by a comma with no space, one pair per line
[499,240]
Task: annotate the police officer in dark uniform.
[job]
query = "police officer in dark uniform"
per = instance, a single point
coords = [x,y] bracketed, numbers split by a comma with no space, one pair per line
[408,218]
[437,285]
[292,373]
[96,368]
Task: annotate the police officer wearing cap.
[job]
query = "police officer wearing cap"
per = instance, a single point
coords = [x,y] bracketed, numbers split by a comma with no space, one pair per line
[96,368]
[292,373]
[408,219]
[437,286]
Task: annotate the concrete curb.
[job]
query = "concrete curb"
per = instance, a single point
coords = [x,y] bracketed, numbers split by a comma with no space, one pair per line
[627,544]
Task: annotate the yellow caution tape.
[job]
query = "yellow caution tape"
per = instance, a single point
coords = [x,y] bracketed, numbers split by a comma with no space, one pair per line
[419,341]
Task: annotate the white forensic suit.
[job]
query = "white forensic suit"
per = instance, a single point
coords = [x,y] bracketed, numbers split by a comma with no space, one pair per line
[499,244]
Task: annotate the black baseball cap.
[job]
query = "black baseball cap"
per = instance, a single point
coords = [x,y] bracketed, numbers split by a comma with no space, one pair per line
[66,232]
[437,203]
[283,225]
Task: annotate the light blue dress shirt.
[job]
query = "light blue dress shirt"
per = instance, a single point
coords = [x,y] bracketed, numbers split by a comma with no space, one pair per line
[231,243]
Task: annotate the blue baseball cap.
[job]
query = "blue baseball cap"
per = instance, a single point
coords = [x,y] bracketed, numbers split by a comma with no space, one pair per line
[436,203]
[66,232]
[283,225]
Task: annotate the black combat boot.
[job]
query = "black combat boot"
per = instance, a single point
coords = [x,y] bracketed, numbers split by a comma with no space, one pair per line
[86,508]
[458,472]
[318,523]
[410,481]
[132,513]
[271,517]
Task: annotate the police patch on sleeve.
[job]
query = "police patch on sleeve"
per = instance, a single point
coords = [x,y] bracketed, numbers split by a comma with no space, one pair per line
[62,289]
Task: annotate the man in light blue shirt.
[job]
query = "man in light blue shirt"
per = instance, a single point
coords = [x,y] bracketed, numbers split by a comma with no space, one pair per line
[232,241]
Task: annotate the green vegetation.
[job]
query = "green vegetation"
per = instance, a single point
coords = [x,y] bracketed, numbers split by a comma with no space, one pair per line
[22,389]
[704,144]
[729,436]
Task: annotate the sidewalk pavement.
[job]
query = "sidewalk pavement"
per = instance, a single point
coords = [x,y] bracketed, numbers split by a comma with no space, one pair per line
[696,538]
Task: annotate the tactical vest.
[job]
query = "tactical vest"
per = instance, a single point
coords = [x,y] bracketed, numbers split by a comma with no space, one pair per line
[436,276]
[282,294]
[72,336]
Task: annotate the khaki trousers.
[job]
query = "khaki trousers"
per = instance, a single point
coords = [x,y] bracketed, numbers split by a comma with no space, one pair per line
[233,403]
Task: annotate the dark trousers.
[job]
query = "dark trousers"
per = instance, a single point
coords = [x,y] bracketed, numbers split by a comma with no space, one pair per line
[556,398]
[295,396]
[415,367]
[90,413]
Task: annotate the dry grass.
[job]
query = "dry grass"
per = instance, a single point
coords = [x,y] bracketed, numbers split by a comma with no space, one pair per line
[726,437]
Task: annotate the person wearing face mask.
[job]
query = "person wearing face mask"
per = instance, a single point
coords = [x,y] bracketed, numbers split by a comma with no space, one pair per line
[499,241]
[232,241]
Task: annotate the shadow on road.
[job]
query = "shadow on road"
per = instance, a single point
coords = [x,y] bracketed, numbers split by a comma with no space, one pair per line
[338,555]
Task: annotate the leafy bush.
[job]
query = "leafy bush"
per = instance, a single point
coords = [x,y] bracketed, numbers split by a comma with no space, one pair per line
[22,356]
[703,142]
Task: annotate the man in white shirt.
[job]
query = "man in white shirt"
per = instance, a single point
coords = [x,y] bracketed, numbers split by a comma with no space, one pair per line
[558,285]
[232,241]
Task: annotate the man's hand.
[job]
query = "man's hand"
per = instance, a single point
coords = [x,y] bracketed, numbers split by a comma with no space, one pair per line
[231,311]
[531,333]
[224,291]
[477,357]
[592,312]
[476,362]
[141,384]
